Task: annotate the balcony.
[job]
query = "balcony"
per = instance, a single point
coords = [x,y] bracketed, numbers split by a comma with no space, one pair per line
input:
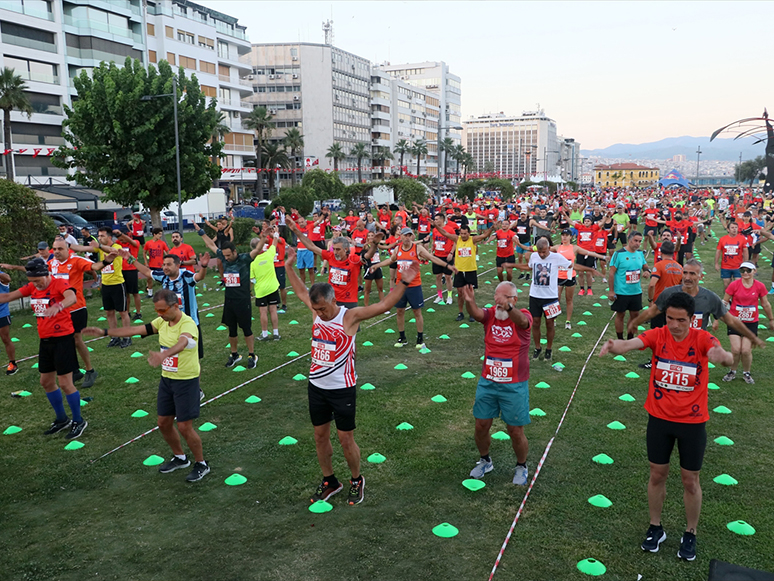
[240,148]
[235,81]
[234,124]
[104,27]
[24,139]
[38,77]
[235,104]
[27,10]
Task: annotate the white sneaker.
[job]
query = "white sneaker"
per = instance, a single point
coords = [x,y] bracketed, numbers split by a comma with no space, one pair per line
[520,476]
[439,299]
[482,467]
[449,301]
[421,346]
[567,325]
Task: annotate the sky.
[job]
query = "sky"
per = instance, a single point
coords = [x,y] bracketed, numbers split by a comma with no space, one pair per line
[606,72]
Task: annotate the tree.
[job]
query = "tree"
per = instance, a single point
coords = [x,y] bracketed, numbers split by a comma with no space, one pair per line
[381,155]
[402,147]
[458,153]
[125,145]
[467,163]
[468,190]
[12,97]
[293,141]
[489,167]
[23,223]
[407,191]
[274,156]
[221,129]
[360,151]
[299,198]
[750,170]
[323,185]
[261,122]
[336,153]
[447,147]
[418,149]
[504,186]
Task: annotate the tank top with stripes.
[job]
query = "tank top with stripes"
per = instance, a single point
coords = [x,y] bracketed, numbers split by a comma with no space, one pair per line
[333,354]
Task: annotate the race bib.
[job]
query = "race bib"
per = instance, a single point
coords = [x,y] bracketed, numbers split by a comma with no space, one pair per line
[585,236]
[62,275]
[632,277]
[323,352]
[633,213]
[39,306]
[521,230]
[169,363]
[465,252]
[108,269]
[675,375]
[732,250]
[498,369]
[440,245]
[502,243]
[619,227]
[746,314]
[338,276]
[697,320]
[404,265]
[231,279]
[424,228]
[552,310]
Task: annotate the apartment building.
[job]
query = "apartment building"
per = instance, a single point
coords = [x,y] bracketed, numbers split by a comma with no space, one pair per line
[625,175]
[569,159]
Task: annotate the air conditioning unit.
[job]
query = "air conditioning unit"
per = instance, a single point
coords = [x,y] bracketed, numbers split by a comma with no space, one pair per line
[271,77]
[294,58]
[401,120]
[295,76]
[296,98]
[413,110]
[250,77]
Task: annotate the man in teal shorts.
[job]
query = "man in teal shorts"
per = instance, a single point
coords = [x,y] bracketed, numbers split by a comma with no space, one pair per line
[503,389]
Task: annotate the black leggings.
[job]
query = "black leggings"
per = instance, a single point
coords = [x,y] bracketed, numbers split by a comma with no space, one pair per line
[691,442]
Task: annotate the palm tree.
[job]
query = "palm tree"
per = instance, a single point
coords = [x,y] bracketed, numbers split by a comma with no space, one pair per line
[419,148]
[295,141]
[260,120]
[381,155]
[12,96]
[467,163]
[336,153]
[457,154]
[447,147]
[274,156]
[221,128]
[360,151]
[402,148]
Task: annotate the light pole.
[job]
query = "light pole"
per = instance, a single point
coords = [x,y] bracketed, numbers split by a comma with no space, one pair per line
[438,153]
[173,94]
[698,156]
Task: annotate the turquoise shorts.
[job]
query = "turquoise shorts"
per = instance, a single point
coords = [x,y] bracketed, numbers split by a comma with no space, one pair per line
[510,401]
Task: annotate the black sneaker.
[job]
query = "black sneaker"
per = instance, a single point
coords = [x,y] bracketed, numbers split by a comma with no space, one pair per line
[126,342]
[91,377]
[252,361]
[471,320]
[114,342]
[199,471]
[233,359]
[283,308]
[325,491]
[57,426]
[653,538]
[547,356]
[460,317]
[356,490]
[77,375]
[201,394]
[687,550]
[645,365]
[536,354]
[137,317]
[174,464]
[521,276]
[76,429]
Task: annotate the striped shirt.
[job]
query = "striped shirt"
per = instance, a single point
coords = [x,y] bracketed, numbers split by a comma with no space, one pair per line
[333,354]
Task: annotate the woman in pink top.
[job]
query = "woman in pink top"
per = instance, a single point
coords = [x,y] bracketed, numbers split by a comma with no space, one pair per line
[744,295]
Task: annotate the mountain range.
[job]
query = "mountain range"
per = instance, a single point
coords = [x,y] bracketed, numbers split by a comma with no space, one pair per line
[719,150]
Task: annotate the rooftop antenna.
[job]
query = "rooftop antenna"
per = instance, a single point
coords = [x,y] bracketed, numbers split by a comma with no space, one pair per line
[328,30]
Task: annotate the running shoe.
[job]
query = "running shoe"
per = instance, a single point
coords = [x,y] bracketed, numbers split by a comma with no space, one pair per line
[730,376]
[199,471]
[174,464]
[201,394]
[77,375]
[687,550]
[265,338]
[252,361]
[521,276]
[275,337]
[482,467]
[326,490]
[536,354]
[581,292]
[771,292]
[57,426]
[420,346]
[90,378]
[748,378]
[520,475]
[126,342]
[11,369]
[356,491]
[448,300]
[439,299]
[567,325]
[137,317]
[76,429]
[114,342]
[401,342]
[233,359]
[471,320]
[647,365]
[460,317]
[547,356]
[653,538]
[589,293]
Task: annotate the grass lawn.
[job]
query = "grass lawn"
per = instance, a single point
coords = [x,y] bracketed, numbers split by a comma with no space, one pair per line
[66,517]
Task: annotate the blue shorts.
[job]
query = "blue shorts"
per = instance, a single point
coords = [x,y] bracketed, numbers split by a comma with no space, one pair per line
[412,296]
[304,259]
[729,272]
[520,250]
[507,400]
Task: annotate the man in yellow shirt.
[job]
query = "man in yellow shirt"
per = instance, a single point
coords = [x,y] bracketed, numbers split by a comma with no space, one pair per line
[113,289]
[265,282]
[178,395]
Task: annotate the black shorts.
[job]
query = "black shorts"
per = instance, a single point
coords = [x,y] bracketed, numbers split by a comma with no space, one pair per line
[280,272]
[587,261]
[58,354]
[272,299]
[465,278]
[625,303]
[413,296]
[238,313]
[349,305]
[536,306]
[437,269]
[375,275]
[752,326]
[691,441]
[320,244]
[5,321]
[633,220]
[80,319]
[178,398]
[393,266]
[130,282]
[332,404]
[567,282]
[423,238]
[755,250]
[200,343]
[114,297]
[622,237]
[500,260]
[649,230]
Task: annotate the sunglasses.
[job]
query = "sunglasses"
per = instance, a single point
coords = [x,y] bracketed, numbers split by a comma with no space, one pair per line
[745,270]
[162,311]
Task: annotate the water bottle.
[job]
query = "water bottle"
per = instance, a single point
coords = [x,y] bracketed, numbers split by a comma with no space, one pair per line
[557,367]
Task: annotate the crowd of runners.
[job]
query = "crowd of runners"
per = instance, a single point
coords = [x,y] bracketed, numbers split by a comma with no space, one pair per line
[607,245]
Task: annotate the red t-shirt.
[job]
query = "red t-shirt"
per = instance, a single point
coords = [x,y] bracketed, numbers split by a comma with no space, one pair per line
[305,230]
[586,235]
[185,252]
[651,213]
[343,276]
[677,389]
[350,221]
[279,256]
[505,243]
[317,231]
[506,349]
[384,219]
[71,271]
[732,251]
[156,249]
[134,249]
[744,301]
[60,324]
[423,226]
[600,241]
[359,238]
[441,244]
[683,227]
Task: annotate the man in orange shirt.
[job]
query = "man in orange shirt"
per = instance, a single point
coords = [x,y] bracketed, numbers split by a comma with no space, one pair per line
[154,251]
[184,251]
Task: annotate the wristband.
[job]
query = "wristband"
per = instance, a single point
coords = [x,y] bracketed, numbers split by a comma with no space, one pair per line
[200,231]
[404,282]
[104,332]
[510,308]
[107,262]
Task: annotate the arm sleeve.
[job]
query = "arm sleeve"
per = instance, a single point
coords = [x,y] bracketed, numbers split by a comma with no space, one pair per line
[190,327]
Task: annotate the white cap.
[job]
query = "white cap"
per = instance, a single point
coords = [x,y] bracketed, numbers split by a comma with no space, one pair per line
[749,265]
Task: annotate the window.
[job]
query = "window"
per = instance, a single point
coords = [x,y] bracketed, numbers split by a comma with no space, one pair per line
[169,31]
[206,42]
[209,91]
[187,62]
[152,56]
[184,36]
[224,71]
[151,30]
[33,70]
[171,58]
[28,37]
[207,67]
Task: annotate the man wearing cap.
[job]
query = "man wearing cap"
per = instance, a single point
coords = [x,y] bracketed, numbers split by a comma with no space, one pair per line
[50,299]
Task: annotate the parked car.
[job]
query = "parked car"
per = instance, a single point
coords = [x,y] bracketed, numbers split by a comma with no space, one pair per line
[74,221]
[248,212]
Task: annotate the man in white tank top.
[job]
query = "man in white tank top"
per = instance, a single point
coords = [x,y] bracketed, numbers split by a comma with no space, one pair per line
[332,376]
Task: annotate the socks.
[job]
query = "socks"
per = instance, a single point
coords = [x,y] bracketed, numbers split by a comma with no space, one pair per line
[486,458]
[74,401]
[331,480]
[402,335]
[630,336]
[440,292]
[56,401]
[522,464]
[448,294]
[251,354]
[620,335]
[420,338]
[180,457]
[264,333]
[275,332]
[358,479]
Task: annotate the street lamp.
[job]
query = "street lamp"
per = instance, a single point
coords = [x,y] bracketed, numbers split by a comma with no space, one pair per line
[173,94]
[438,153]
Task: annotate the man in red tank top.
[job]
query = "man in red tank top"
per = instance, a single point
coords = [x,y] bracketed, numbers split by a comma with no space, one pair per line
[332,378]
